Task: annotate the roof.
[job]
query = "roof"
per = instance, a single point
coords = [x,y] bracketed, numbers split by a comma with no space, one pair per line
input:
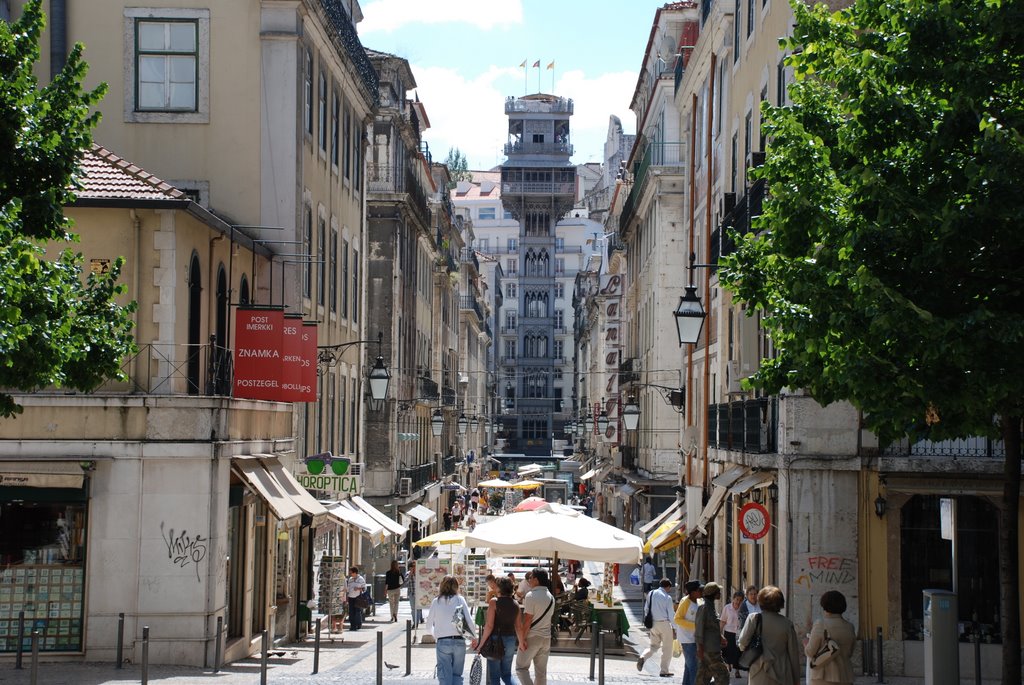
[104,175]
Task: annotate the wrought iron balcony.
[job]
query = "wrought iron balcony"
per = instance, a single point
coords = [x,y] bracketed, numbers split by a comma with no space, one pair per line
[421,476]
[666,155]
[515,105]
[344,35]
[749,425]
[531,148]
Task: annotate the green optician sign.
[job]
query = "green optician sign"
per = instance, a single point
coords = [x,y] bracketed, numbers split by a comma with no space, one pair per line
[334,479]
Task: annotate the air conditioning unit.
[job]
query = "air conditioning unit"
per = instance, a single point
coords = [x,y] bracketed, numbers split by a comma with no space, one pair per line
[355,469]
[404,487]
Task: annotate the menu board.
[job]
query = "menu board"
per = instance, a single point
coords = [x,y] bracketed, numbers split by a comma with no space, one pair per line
[429,573]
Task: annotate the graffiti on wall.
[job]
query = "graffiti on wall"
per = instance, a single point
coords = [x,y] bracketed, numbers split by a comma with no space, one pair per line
[184,549]
[816,572]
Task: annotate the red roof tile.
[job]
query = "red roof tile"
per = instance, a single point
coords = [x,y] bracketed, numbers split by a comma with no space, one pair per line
[105,176]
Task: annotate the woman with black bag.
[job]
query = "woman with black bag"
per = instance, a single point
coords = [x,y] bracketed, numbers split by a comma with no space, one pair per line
[500,629]
[778,661]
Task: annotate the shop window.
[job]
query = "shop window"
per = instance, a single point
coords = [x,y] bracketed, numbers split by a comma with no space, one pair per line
[926,562]
[42,567]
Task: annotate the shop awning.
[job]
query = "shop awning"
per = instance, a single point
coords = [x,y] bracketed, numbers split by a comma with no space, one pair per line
[41,474]
[391,525]
[662,517]
[668,535]
[730,476]
[626,490]
[756,479]
[420,513]
[348,514]
[597,472]
[251,469]
[294,489]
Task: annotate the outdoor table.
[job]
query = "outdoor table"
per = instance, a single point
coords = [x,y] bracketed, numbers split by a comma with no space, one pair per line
[609,618]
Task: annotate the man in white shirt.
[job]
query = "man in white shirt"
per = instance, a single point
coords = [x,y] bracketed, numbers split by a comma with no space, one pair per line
[647,573]
[534,630]
[659,603]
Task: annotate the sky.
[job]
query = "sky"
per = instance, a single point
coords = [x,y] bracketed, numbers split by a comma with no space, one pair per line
[465,57]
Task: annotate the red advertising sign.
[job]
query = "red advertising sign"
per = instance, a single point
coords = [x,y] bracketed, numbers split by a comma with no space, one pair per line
[291,358]
[258,346]
[308,362]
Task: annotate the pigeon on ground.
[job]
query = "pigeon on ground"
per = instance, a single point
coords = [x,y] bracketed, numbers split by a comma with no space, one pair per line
[390,666]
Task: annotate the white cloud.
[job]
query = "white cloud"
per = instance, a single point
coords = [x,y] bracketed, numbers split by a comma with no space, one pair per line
[594,100]
[388,15]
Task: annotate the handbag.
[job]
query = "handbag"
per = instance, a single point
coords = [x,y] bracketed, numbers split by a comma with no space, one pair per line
[476,671]
[677,649]
[494,649]
[829,648]
[754,650]
[648,618]
[362,601]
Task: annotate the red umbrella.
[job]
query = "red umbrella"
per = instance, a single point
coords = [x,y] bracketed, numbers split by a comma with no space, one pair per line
[530,503]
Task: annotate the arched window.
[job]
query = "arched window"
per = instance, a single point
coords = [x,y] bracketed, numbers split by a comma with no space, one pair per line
[243,290]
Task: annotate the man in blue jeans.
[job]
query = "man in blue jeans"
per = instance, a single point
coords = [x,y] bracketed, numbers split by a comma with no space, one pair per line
[686,615]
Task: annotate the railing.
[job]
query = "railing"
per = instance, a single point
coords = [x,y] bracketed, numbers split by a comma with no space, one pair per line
[448,396]
[340,26]
[508,329]
[469,257]
[425,387]
[738,221]
[514,105]
[448,465]
[511,359]
[561,330]
[655,154]
[744,426]
[469,302]
[568,249]
[975,446]
[528,148]
[386,178]
[165,369]
[421,476]
[537,188]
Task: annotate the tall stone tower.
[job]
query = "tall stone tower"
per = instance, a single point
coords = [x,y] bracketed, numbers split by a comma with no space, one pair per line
[538,184]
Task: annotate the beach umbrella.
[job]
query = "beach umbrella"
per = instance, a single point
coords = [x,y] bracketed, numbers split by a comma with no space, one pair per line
[526,485]
[530,503]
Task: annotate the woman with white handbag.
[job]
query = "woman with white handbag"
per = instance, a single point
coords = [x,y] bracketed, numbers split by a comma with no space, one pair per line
[829,647]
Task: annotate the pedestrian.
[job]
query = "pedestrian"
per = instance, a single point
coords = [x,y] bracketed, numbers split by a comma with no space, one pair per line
[647,573]
[686,616]
[393,581]
[535,630]
[659,603]
[708,630]
[471,521]
[779,663]
[731,628]
[417,613]
[355,586]
[582,589]
[456,513]
[839,668]
[474,499]
[449,611]
[749,605]
[524,586]
[500,624]
[447,520]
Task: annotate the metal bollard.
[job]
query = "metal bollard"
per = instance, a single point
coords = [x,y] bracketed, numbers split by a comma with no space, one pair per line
[316,646]
[217,645]
[977,652]
[145,655]
[120,640]
[593,647]
[878,639]
[34,672]
[21,640]
[408,647]
[264,654]
[865,656]
[380,657]
[600,668]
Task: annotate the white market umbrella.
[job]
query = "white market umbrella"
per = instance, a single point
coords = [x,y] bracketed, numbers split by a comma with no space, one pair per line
[556,530]
[494,483]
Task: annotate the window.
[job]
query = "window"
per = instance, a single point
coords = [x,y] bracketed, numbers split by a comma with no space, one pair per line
[559,320]
[510,290]
[512,267]
[322,113]
[307,249]
[559,349]
[483,244]
[333,275]
[750,17]
[559,291]
[747,140]
[354,408]
[486,213]
[349,144]
[510,321]
[736,32]
[344,278]
[780,82]
[355,286]
[167,58]
[512,244]
[335,112]
[560,244]
[734,161]
[342,406]
[559,266]
[321,248]
[510,349]
[307,93]
[507,215]
[760,118]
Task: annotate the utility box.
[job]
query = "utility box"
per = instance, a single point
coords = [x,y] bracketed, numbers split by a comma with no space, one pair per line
[941,638]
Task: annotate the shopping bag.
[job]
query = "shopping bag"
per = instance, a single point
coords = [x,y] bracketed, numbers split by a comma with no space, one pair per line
[476,671]
[677,649]
[634,577]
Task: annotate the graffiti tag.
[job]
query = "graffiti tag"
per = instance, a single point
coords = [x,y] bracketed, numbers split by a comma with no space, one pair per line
[183,549]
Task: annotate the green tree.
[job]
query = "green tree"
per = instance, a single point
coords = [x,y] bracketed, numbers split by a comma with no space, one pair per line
[458,167]
[55,328]
[889,258]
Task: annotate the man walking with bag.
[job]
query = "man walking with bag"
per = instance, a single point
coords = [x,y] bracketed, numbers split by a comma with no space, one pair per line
[535,630]
[659,605]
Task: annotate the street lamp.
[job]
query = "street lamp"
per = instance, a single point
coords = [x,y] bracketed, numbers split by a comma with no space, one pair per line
[602,420]
[329,355]
[631,413]
[462,424]
[689,317]
[436,423]
[380,377]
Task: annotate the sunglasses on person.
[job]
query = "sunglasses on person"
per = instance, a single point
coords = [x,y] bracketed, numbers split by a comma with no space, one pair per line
[316,464]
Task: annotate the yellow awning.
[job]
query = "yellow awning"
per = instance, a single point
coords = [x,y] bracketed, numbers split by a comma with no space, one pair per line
[662,517]
[668,535]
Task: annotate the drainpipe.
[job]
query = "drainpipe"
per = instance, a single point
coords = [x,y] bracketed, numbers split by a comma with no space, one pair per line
[58,36]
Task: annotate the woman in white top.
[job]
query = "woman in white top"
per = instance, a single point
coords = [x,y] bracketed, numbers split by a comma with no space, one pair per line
[355,586]
[451,647]
[731,628]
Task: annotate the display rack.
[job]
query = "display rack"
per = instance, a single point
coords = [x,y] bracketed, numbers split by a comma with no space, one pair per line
[51,597]
[331,594]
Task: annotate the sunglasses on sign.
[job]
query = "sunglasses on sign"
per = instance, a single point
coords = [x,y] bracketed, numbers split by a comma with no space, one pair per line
[318,462]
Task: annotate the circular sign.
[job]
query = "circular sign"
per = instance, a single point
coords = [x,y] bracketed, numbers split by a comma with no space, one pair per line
[754,521]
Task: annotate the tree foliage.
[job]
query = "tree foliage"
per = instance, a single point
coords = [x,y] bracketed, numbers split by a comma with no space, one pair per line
[55,329]
[458,166]
[890,261]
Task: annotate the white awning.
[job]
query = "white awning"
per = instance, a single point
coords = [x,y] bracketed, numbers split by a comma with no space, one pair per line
[626,490]
[663,516]
[598,472]
[589,474]
[251,469]
[420,513]
[756,479]
[391,525]
[349,514]
[294,489]
[41,474]
[711,508]
[730,476]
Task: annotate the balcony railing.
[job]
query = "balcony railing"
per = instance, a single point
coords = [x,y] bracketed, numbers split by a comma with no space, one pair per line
[426,387]
[469,257]
[421,476]
[448,466]
[386,178]
[339,25]
[530,148]
[568,249]
[744,426]
[470,303]
[448,396]
[658,155]
[514,105]
[975,446]
[537,188]
[163,369]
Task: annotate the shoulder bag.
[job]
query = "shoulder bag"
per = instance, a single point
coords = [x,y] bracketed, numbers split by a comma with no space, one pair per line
[754,650]
[494,649]
[537,620]
[829,648]
[648,617]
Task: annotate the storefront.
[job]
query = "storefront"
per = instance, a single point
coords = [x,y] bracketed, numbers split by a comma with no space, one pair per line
[44,509]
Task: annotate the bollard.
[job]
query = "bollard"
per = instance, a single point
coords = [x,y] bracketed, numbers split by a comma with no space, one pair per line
[593,647]
[34,666]
[21,640]
[145,655]
[316,646]
[408,647]
[878,639]
[600,667]
[380,657]
[120,640]
[865,656]
[977,652]
[216,645]
[264,654]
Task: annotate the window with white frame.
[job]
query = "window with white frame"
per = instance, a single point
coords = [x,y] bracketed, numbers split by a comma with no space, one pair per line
[559,291]
[512,244]
[559,349]
[559,320]
[487,213]
[510,290]
[307,93]
[483,244]
[321,258]
[322,112]
[167,59]
[512,266]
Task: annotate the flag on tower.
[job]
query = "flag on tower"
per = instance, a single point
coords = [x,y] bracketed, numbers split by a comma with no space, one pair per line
[537,64]
[551,65]
[523,65]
